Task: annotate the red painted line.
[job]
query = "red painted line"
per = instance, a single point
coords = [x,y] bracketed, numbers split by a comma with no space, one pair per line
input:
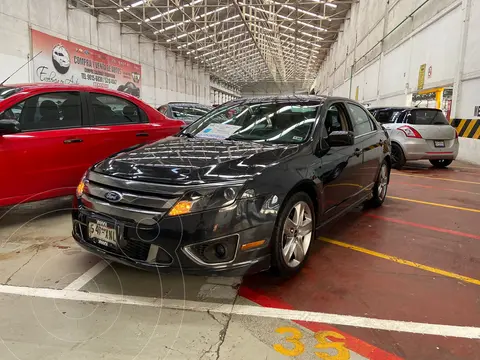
[352,343]
[428,227]
[433,187]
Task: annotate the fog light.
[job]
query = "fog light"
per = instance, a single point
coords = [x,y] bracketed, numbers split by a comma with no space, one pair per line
[220,251]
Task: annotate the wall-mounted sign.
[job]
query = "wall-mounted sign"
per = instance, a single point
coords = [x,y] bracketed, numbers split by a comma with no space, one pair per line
[477,111]
[357,90]
[421,76]
[62,61]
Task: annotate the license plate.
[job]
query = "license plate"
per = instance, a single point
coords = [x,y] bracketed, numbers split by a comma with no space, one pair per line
[439,143]
[104,233]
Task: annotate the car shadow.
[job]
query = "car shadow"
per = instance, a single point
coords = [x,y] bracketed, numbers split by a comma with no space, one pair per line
[45,209]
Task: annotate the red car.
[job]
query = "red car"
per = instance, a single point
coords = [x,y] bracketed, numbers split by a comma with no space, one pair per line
[51,133]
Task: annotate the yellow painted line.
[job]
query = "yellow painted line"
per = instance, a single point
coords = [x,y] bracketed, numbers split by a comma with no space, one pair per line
[477,134]
[436,178]
[403,262]
[435,204]
[461,125]
[469,128]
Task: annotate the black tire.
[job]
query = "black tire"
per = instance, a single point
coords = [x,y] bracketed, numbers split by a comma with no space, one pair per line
[378,193]
[442,163]
[279,265]
[398,157]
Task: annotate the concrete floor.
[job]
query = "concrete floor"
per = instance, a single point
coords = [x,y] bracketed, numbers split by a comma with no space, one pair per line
[392,283]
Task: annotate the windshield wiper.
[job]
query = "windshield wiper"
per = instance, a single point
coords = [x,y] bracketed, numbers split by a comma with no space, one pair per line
[188,135]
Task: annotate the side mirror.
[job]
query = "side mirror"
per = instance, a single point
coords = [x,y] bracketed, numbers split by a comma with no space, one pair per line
[9,127]
[341,138]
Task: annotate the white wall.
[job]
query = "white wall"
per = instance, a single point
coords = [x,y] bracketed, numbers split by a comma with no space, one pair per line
[386,45]
[164,76]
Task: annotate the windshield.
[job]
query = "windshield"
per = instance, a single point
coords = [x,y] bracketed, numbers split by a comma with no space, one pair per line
[427,117]
[388,116]
[282,122]
[189,112]
[5,92]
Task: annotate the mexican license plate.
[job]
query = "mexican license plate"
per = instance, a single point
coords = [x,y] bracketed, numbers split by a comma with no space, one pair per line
[439,143]
[104,233]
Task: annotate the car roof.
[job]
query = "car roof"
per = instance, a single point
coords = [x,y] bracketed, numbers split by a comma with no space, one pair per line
[288,98]
[400,108]
[66,87]
[186,103]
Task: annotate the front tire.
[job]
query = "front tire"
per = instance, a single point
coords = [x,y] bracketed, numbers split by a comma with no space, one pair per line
[442,163]
[379,192]
[293,234]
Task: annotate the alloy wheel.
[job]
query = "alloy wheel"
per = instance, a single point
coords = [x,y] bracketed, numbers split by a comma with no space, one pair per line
[297,234]
[382,182]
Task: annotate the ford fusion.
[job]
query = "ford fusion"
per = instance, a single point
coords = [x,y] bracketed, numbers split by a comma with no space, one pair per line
[243,189]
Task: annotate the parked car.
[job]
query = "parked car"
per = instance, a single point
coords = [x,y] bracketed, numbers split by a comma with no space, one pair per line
[237,193]
[418,134]
[50,134]
[187,112]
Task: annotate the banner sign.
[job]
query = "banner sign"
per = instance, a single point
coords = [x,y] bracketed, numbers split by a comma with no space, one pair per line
[62,61]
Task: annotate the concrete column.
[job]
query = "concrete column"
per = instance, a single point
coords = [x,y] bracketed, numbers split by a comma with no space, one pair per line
[466,5]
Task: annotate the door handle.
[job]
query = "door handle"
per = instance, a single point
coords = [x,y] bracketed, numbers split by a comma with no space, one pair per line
[358,152]
[71,141]
[142,134]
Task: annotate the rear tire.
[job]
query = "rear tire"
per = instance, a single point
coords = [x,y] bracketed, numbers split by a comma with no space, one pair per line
[442,163]
[379,192]
[398,157]
[293,235]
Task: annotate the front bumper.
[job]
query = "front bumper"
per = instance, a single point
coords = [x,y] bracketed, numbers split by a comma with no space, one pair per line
[175,244]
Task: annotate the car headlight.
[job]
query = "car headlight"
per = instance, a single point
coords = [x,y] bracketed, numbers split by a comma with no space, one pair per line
[205,199]
[81,185]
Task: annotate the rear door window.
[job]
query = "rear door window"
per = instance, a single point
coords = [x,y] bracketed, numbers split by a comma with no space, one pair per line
[427,117]
[113,110]
[389,116]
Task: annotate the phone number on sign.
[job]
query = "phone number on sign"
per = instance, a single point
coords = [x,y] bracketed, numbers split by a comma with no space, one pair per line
[100,85]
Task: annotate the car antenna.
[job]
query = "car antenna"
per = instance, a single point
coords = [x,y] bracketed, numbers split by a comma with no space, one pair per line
[20,68]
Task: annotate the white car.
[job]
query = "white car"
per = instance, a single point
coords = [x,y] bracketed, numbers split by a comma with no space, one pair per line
[418,134]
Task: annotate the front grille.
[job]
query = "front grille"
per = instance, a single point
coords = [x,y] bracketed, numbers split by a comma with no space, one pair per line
[141,205]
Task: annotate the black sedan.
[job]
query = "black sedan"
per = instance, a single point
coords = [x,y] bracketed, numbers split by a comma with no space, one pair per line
[241,190]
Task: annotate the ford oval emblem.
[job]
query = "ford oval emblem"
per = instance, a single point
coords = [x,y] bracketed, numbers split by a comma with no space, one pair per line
[113,196]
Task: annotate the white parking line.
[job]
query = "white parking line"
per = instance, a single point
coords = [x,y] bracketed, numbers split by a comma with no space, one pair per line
[249,310]
[81,281]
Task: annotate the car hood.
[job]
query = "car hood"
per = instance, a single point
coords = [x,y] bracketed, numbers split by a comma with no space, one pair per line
[184,161]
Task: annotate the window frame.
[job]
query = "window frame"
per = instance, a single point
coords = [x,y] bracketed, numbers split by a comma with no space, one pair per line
[342,108]
[91,120]
[83,110]
[373,122]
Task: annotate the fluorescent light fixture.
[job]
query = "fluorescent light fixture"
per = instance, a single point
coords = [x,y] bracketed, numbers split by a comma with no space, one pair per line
[327,3]
[192,20]
[171,11]
[135,4]
[284,17]
[210,36]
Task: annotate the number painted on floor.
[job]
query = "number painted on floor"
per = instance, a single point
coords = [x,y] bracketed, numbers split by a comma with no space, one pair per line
[294,339]
[296,347]
[324,343]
